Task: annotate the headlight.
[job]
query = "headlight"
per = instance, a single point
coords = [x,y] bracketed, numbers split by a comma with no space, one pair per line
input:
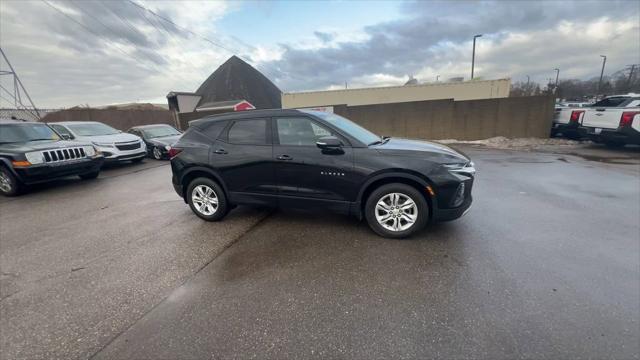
[468,169]
[35,157]
[167,147]
[89,150]
[110,145]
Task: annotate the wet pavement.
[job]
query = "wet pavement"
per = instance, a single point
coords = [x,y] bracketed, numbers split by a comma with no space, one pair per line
[545,265]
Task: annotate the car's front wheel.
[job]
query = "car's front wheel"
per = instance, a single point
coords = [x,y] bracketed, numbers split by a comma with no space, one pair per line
[157,153]
[207,199]
[396,210]
[9,185]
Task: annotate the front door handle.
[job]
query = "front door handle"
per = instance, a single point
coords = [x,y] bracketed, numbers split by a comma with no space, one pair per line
[221,151]
[284,157]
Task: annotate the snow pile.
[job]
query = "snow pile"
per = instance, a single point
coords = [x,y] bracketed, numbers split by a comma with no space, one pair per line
[501,142]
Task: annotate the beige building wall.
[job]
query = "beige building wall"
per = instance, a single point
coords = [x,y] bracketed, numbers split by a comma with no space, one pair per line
[467,90]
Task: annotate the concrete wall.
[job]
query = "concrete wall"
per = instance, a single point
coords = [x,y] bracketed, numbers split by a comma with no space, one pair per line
[469,90]
[514,117]
[119,119]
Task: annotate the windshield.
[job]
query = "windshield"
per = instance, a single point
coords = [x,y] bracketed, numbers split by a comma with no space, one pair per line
[160,131]
[92,129]
[358,132]
[13,133]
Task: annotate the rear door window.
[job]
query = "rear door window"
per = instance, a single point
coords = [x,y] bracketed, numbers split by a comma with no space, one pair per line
[249,132]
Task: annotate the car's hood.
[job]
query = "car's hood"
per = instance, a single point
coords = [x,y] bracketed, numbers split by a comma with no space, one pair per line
[165,140]
[41,145]
[121,137]
[406,147]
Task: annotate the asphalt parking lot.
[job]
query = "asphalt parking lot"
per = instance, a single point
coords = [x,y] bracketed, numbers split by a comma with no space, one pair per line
[545,265]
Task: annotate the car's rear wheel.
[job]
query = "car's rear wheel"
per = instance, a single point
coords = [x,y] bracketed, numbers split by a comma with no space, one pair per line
[157,153]
[396,210]
[207,199]
[9,185]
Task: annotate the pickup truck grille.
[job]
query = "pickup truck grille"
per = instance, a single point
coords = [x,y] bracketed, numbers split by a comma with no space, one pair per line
[128,145]
[58,155]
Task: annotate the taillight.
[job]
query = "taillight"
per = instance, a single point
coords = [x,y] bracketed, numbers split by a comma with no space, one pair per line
[627,118]
[575,115]
[173,152]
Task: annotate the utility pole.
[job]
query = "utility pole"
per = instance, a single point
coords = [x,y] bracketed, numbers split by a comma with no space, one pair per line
[437,77]
[473,55]
[528,79]
[630,76]
[604,61]
[17,85]
[555,88]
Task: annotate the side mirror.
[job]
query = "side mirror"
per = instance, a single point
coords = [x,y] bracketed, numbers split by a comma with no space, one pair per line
[329,142]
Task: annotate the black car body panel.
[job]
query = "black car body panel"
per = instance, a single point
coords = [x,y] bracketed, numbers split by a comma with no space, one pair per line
[308,177]
[161,143]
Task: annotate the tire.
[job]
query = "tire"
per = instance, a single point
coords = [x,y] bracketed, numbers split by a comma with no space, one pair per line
[211,191]
[398,194]
[156,153]
[9,185]
[90,175]
[138,160]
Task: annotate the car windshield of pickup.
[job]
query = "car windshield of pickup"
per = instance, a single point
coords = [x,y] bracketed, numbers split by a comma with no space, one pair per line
[358,132]
[92,129]
[159,131]
[17,133]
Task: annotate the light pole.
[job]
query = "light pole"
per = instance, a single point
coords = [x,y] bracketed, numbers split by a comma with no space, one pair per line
[528,79]
[437,77]
[473,55]
[604,61]
[555,88]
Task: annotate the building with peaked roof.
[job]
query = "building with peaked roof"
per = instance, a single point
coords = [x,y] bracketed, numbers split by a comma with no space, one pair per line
[234,86]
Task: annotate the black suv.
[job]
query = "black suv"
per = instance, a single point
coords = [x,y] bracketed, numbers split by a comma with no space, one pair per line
[32,152]
[316,160]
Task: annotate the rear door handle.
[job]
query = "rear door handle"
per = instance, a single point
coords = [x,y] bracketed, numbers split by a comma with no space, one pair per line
[221,151]
[285,157]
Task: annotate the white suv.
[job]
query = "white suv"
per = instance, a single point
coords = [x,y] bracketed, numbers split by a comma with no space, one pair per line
[114,144]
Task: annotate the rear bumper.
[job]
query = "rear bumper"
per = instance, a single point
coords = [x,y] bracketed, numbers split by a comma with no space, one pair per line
[625,135]
[569,129]
[46,172]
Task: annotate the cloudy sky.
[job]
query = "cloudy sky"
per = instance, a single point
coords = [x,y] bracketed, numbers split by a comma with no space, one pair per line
[70,52]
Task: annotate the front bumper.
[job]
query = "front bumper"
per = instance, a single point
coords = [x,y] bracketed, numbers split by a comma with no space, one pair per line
[46,172]
[441,212]
[113,154]
[623,135]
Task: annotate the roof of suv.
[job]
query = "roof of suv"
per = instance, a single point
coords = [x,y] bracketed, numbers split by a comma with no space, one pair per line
[245,114]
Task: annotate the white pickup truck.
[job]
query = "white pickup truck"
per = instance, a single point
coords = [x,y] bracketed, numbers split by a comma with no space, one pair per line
[614,120]
[564,121]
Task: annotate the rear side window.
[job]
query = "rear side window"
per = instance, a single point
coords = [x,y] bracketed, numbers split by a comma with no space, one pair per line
[248,132]
[213,129]
[612,101]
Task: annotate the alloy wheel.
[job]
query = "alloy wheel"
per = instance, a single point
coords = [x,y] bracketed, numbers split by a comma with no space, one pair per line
[157,154]
[205,200]
[5,182]
[396,212]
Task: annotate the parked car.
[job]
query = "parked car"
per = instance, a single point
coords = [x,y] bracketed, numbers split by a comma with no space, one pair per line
[115,145]
[32,153]
[158,138]
[564,124]
[614,120]
[317,160]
